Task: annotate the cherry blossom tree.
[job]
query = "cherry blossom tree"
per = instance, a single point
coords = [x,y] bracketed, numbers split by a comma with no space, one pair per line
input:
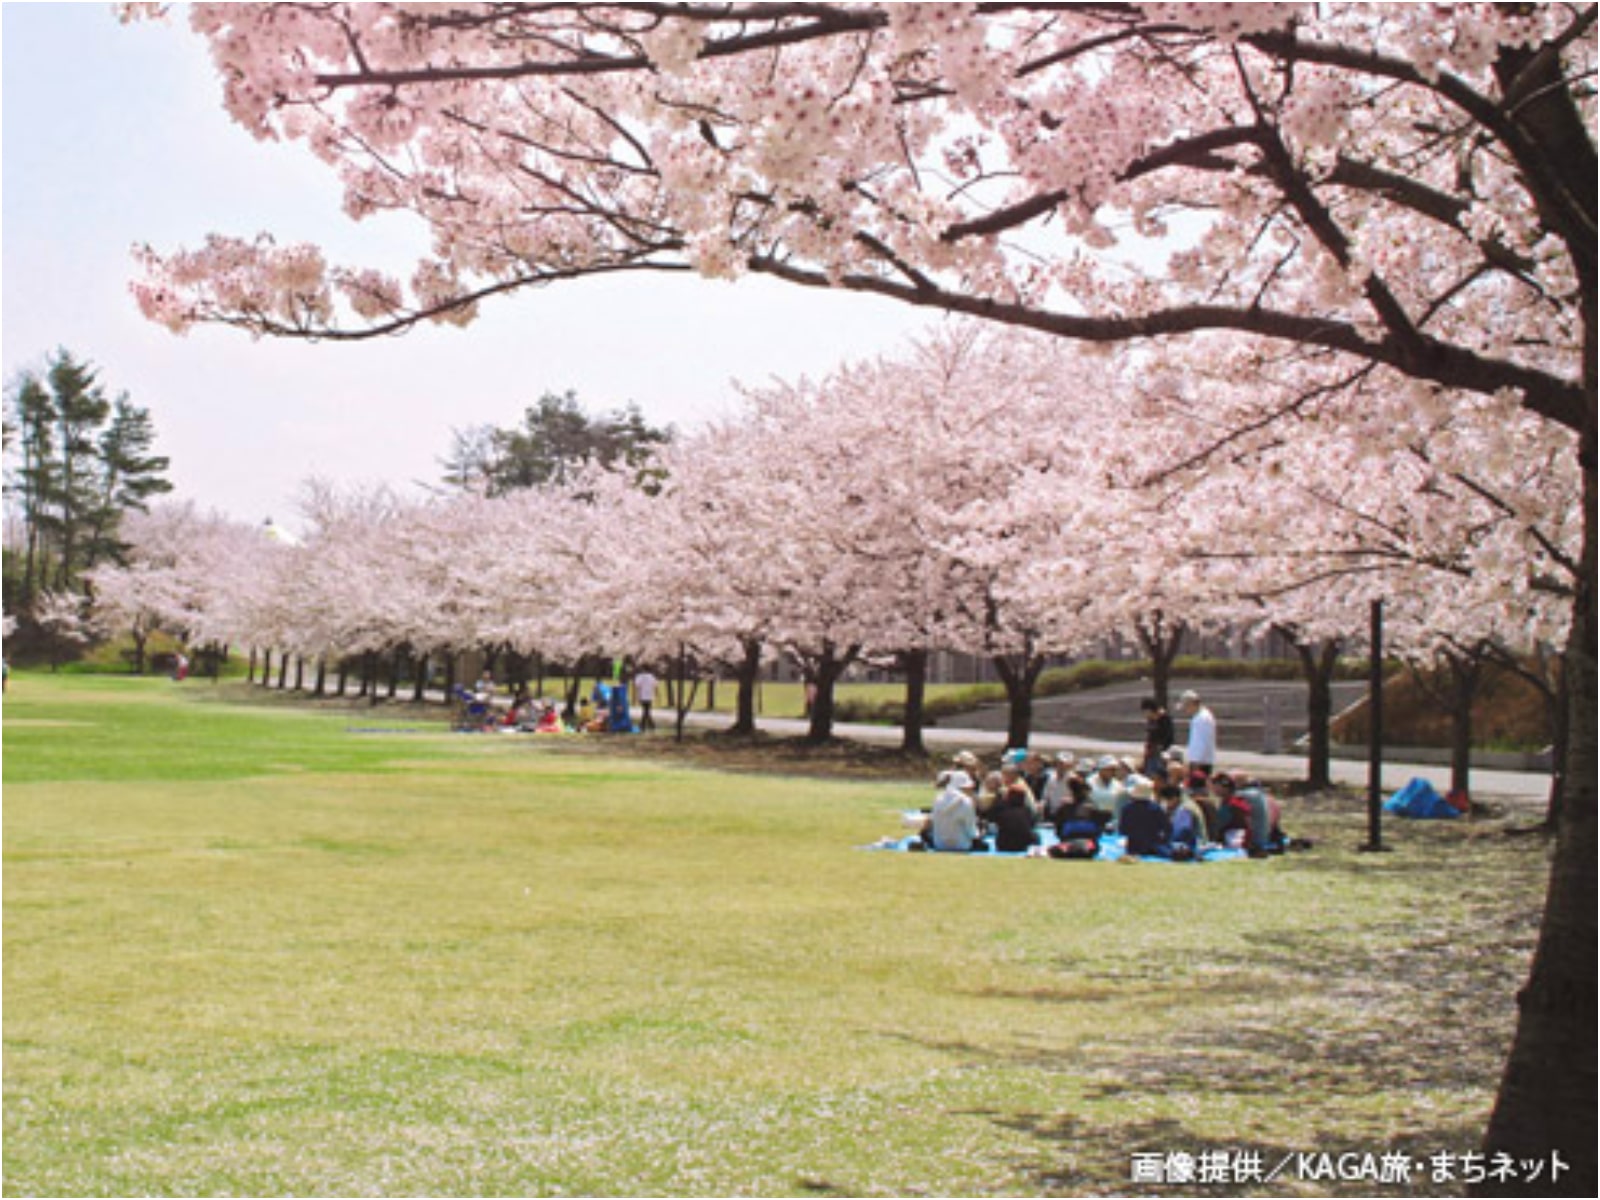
[63,618]
[1384,193]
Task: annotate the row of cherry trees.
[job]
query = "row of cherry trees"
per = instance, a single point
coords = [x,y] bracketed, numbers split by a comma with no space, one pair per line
[974,493]
[1381,199]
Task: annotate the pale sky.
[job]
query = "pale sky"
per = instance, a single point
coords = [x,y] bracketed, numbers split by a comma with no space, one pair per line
[114,135]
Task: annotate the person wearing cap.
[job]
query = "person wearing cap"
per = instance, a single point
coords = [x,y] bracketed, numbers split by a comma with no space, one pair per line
[1106,790]
[1144,823]
[1201,753]
[953,822]
[1014,812]
[1058,792]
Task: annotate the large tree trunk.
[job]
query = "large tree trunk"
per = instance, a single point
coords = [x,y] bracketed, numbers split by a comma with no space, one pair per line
[748,674]
[1546,1102]
[915,665]
[1020,673]
[824,672]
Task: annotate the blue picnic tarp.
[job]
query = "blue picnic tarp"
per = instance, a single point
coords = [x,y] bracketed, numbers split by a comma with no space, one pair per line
[1421,801]
[1113,847]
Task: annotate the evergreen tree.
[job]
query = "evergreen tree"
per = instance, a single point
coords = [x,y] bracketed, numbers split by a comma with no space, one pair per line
[130,475]
[78,462]
[556,439]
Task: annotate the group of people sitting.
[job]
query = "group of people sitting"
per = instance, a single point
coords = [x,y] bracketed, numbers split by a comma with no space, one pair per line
[1177,815]
[604,710]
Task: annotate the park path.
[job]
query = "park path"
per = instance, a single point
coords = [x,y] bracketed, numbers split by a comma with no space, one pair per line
[1523,790]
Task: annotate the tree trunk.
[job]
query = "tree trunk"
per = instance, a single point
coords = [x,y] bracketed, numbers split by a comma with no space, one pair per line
[1546,1101]
[419,682]
[299,673]
[283,671]
[1019,673]
[250,671]
[1318,660]
[825,673]
[321,688]
[1161,646]
[748,674]
[139,641]
[915,665]
[1466,673]
[682,694]
[266,667]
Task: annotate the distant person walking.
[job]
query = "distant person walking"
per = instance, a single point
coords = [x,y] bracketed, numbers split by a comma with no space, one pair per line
[644,686]
[1201,753]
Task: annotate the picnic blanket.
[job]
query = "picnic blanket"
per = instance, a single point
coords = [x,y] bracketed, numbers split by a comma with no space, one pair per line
[1113,847]
[1420,801]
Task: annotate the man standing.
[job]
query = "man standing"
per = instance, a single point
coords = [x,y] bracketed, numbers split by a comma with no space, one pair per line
[1158,737]
[1202,750]
[644,686]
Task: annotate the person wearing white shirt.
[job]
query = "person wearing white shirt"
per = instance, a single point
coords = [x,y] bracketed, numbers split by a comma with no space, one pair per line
[1201,753]
[644,687]
[953,823]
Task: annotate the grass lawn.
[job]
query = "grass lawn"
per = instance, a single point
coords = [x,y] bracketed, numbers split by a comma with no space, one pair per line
[270,950]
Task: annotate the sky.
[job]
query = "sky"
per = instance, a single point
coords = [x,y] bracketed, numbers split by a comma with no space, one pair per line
[114,135]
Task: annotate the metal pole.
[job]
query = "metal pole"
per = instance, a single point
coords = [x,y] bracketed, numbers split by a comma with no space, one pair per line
[1375,738]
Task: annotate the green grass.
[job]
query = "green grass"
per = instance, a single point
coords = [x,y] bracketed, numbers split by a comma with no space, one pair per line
[251,951]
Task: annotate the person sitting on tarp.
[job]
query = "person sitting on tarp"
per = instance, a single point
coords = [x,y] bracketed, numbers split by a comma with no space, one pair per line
[1233,814]
[1186,820]
[1078,827]
[549,719]
[1197,790]
[590,721]
[953,822]
[1266,814]
[1106,790]
[1144,823]
[1013,813]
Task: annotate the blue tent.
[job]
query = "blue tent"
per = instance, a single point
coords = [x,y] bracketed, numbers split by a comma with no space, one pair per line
[1420,801]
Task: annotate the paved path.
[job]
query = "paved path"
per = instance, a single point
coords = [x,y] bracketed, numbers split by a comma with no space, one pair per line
[1243,707]
[1519,789]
